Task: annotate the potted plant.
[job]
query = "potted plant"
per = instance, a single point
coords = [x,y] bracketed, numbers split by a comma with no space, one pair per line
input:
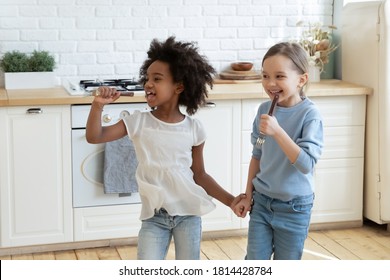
[24,71]
[317,41]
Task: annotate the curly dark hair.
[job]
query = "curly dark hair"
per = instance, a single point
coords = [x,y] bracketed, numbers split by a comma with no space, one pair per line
[187,66]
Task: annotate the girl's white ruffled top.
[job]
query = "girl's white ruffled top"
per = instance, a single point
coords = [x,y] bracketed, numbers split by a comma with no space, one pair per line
[164,175]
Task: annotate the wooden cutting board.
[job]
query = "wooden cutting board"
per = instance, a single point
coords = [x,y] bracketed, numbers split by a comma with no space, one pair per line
[240,75]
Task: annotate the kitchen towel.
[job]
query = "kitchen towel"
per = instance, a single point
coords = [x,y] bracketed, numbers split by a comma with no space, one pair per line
[120,163]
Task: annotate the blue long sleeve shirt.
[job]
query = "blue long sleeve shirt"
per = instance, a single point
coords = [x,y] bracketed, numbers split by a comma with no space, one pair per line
[278,177]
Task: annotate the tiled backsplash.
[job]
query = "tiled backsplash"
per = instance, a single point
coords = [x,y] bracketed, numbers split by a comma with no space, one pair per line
[109,38]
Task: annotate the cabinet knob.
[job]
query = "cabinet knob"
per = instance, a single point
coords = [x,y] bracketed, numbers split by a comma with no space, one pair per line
[107,118]
[34,111]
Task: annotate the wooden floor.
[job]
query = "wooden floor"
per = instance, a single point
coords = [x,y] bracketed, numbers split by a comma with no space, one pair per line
[370,242]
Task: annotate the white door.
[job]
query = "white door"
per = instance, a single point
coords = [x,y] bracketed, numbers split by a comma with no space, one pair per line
[36,202]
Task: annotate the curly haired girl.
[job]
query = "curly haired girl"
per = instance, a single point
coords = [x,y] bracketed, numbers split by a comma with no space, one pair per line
[173,185]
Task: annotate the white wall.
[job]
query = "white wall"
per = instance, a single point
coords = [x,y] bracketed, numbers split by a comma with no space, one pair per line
[109,38]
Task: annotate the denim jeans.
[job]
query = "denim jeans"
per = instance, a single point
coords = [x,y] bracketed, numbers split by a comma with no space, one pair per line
[278,227]
[156,234]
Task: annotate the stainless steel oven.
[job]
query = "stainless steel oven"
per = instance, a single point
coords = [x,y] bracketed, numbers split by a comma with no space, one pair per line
[88,159]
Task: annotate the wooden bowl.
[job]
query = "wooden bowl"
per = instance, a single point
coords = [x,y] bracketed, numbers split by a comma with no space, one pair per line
[242,66]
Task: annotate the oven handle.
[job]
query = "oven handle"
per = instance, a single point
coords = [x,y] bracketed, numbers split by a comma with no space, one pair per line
[210,105]
[34,111]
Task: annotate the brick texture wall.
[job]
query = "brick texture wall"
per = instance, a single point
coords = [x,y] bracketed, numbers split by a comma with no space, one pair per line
[109,38]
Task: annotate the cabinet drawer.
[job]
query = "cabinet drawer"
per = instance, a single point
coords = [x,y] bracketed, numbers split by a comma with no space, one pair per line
[336,111]
[106,222]
[339,191]
[342,110]
[343,142]
[339,142]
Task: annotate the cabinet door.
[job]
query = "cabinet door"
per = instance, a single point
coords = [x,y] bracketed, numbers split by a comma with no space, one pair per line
[248,110]
[35,148]
[221,120]
[339,188]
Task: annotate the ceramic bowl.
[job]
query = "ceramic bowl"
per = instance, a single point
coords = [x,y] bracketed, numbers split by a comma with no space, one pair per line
[242,66]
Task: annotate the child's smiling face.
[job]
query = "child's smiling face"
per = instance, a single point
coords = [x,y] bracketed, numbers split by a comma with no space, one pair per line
[281,77]
[159,85]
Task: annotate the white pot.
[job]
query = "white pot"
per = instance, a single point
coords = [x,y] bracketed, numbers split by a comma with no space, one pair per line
[314,74]
[27,80]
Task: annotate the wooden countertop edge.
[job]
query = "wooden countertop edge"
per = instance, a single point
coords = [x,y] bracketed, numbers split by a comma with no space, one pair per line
[67,101]
[59,96]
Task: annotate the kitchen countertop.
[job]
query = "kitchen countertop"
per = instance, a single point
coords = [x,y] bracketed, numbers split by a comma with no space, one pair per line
[59,96]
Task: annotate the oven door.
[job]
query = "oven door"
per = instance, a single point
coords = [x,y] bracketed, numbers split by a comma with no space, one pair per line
[87,165]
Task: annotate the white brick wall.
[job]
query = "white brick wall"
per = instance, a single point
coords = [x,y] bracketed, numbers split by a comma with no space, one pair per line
[109,38]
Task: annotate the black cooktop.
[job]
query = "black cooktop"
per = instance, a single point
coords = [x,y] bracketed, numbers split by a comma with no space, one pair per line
[119,84]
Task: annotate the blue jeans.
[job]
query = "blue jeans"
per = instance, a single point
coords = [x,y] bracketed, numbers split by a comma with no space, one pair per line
[156,234]
[278,227]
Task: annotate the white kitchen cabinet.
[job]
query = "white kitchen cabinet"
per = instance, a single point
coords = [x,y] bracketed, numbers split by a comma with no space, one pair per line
[339,172]
[35,179]
[221,120]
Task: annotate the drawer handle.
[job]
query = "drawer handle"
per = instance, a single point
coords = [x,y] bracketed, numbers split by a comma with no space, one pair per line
[34,111]
[210,105]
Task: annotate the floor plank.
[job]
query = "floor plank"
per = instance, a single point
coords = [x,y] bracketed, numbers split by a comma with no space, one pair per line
[213,251]
[23,257]
[127,252]
[365,248]
[336,249]
[171,252]
[314,251]
[241,241]
[65,255]
[86,254]
[231,248]
[44,256]
[107,253]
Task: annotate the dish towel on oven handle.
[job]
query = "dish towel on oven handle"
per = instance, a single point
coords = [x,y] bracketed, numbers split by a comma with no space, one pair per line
[120,163]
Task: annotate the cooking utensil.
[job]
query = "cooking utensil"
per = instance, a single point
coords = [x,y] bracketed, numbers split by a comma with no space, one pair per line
[97,93]
[261,139]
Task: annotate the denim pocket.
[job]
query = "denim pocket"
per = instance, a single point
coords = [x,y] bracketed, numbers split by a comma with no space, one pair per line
[297,207]
[303,204]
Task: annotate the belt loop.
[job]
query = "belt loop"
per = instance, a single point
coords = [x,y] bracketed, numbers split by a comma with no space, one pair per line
[160,211]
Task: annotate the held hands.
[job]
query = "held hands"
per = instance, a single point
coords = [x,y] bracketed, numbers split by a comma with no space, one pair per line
[241,205]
